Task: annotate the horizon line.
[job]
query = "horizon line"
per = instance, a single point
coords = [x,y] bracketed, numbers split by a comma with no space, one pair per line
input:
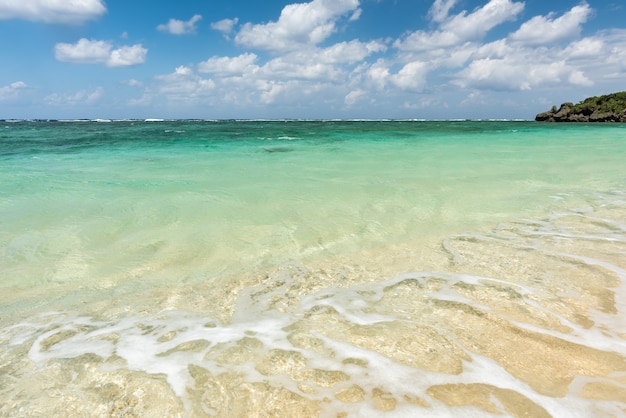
[156,120]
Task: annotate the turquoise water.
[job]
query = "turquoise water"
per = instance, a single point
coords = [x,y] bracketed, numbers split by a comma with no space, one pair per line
[284,263]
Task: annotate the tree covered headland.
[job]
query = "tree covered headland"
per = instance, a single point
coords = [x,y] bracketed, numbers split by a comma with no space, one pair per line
[607,108]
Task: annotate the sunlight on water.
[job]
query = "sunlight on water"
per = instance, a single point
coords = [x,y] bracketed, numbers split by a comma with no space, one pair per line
[394,269]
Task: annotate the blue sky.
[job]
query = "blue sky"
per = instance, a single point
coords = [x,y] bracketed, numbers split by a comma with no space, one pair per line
[317,59]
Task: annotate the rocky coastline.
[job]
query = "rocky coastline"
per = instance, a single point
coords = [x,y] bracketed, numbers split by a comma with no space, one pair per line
[607,108]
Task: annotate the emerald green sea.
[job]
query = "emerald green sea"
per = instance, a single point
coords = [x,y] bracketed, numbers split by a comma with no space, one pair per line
[312,268]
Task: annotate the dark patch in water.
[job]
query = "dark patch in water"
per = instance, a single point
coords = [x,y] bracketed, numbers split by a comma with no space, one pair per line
[278,149]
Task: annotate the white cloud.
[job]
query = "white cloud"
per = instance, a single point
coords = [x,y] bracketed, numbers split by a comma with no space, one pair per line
[615,51]
[378,74]
[229,66]
[291,68]
[512,66]
[127,56]
[356,15]
[74,99]
[452,61]
[299,24]
[84,51]
[477,24]
[518,73]
[87,51]
[185,86]
[585,48]
[179,27]
[271,90]
[354,96]
[301,68]
[440,9]
[529,58]
[411,77]
[348,52]
[241,81]
[225,25]
[462,27]
[133,83]
[541,30]
[580,79]
[332,64]
[495,74]
[12,91]
[601,57]
[52,11]
[495,49]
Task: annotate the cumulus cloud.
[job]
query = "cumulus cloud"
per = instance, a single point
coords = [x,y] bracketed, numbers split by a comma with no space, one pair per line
[179,27]
[315,64]
[87,51]
[354,96]
[290,68]
[293,74]
[53,11]
[518,73]
[348,52]
[299,25]
[225,25]
[544,30]
[378,73]
[127,55]
[316,74]
[228,65]
[12,91]
[356,15]
[440,9]
[411,77]
[544,51]
[184,85]
[460,28]
[84,51]
[133,83]
[614,64]
[74,99]
[450,58]
[330,64]
[580,79]
[477,24]
[588,47]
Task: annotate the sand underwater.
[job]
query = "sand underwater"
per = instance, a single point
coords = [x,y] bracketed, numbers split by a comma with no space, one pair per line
[312,268]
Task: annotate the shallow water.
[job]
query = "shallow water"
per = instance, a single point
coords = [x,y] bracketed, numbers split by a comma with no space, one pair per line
[298,268]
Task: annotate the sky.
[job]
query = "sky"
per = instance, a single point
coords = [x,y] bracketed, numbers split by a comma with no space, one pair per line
[338,59]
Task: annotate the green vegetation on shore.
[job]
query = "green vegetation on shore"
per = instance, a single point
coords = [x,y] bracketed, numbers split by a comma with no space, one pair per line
[606,108]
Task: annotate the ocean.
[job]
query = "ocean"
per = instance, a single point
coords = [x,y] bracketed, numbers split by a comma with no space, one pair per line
[312,268]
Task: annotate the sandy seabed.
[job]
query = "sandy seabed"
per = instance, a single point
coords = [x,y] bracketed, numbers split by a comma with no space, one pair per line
[525,319]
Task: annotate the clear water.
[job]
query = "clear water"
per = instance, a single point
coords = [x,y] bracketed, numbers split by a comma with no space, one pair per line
[294,268]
